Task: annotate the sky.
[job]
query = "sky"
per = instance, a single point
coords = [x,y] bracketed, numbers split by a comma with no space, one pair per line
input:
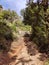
[15,5]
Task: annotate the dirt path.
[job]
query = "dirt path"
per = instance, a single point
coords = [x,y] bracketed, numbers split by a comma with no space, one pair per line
[19,55]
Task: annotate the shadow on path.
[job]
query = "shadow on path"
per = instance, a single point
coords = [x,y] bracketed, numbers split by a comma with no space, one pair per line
[31,47]
[23,61]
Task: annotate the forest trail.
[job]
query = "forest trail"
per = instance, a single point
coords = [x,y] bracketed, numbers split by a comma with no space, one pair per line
[19,55]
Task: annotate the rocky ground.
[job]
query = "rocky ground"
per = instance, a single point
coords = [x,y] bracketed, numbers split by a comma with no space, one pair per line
[22,53]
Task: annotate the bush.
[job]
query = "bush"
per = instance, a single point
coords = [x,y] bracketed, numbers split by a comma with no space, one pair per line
[6,36]
[38,19]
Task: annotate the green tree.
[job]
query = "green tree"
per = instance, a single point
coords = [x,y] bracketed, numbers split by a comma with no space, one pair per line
[9,15]
[36,15]
[7,28]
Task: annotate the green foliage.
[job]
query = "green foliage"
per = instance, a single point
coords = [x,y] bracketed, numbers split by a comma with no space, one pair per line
[8,15]
[6,35]
[7,28]
[23,27]
[3,28]
[12,26]
[38,18]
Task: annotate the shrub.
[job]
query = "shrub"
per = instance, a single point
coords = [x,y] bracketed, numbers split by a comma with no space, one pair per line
[6,36]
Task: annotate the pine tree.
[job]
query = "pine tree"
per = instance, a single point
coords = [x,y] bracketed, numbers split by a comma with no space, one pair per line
[36,15]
